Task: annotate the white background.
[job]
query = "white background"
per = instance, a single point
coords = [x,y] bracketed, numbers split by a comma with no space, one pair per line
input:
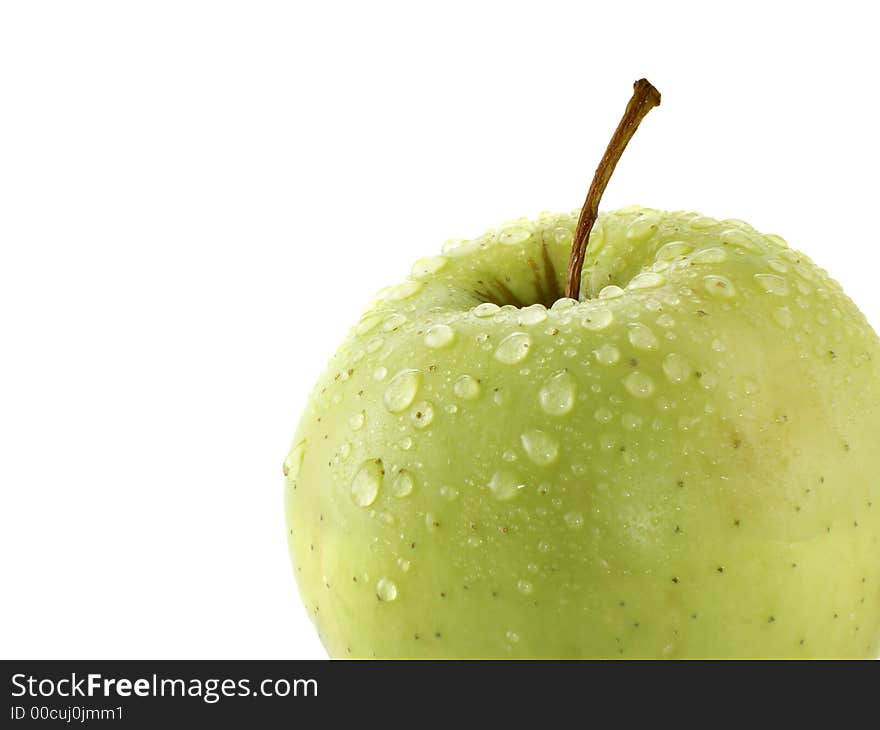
[197,198]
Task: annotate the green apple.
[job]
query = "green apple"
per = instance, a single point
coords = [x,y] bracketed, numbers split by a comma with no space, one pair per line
[681,463]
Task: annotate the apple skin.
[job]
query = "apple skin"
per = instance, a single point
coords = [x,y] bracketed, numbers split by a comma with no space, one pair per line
[684,467]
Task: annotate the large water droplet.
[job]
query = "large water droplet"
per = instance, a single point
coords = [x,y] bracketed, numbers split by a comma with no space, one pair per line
[513,235]
[641,337]
[403,483]
[428,265]
[702,222]
[380,373]
[738,238]
[563,303]
[386,590]
[612,291]
[422,414]
[505,484]
[540,447]
[401,390]
[773,284]
[713,255]
[294,460]
[513,348]
[368,323]
[639,384]
[646,280]
[607,354]
[719,286]
[367,482]
[439,335]
[676,368]
[486,309]
[534,314]
[598,319]
[407,289]
[557,394]
[673,250]
[642,226]
[466,388]
[356,422]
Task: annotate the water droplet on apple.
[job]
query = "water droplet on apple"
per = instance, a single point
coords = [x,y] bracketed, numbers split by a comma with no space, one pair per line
[676,368]
[534,314]
[641,337]
[541,448]
[603,414]
[474,541]
[513,348]
[429,265]
[666,321]
[505,484]
[612,291]
[738,238]
[407,289]
[401,390]
[778,266]
[512,637]
[702,222]
[642,226]
[422,414]
[713,255]
[646,280]
[344,450]
[598,319]
[395,321]
[367,482]
[403,484]
[783,317]
[439,335]
[466,388]
[607,354]
[773,284]
[486,309]
[380,373]
[513,235]
[294,461]
[447,492]
[673,250]
[557,394]
[639,384]
[630,421]
[524,586]
[406,443]
[374,343]
[563,303]
[368,323]
[356,422]
[719,286]
[386,590]
[575,520]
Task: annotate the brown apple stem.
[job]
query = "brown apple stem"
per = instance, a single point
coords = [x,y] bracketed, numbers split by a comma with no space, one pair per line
[645,97]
